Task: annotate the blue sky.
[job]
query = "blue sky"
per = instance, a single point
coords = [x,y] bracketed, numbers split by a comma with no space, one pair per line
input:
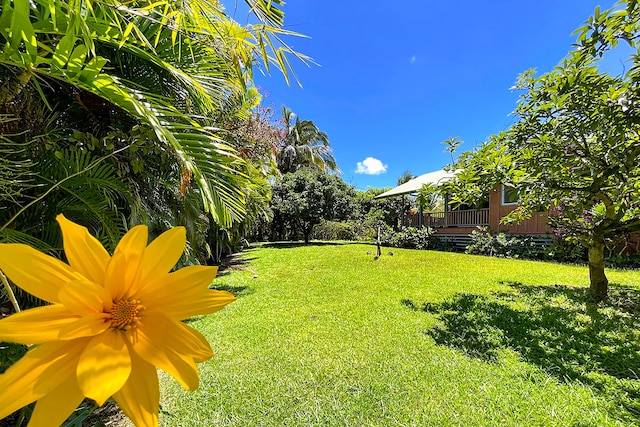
[395,79]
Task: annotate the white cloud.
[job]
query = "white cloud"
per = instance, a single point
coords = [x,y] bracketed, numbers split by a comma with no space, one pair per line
[413,59]
[371,166]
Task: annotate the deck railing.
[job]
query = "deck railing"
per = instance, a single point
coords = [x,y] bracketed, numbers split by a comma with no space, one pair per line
[462,218]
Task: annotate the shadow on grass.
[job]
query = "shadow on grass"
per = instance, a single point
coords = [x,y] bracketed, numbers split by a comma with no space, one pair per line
[555,328]
[297,244]
[237,261]
[237,291]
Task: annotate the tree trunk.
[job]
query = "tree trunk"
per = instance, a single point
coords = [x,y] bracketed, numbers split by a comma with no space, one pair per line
[599,286]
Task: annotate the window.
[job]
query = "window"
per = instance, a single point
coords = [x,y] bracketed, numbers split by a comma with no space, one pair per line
[509,195]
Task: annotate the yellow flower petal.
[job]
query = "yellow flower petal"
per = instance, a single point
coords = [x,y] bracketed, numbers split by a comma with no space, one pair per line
[104,366]
[159,350]
[37,373]
[123,272]
[36,325]
[84,297]
[196,343]
[192,277]
[140,396]
[88,325]
[162,254]
[206,302]
[54,408]
[192,285]
[180,337]
[83,251]
[35,272]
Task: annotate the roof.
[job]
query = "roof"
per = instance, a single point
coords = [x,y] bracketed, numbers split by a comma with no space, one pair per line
[412,186]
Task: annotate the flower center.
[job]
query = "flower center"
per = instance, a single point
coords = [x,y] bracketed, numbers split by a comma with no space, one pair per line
[124,314]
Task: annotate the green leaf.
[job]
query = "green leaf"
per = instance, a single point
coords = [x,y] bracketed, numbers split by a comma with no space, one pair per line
[78,58]
[63,51]
[22,30]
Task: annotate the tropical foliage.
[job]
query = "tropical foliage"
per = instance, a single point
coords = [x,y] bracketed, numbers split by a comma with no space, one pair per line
[113,112]
[386,212]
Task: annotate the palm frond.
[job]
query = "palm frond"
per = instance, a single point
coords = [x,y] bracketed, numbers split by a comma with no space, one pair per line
[8,235]
[86,193]
[268,11]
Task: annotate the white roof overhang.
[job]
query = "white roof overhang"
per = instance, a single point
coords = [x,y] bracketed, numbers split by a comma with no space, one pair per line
[432,178]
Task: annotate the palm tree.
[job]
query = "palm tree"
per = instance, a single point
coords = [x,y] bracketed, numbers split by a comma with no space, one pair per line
[405,177]
[304,145]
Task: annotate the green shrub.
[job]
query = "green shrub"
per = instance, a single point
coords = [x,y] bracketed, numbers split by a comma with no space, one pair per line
[333,230]
[504,245]
[411,238]
[623,261]
[523,246]
[564,251]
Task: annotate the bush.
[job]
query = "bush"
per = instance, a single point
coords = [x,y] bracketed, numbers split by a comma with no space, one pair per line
[572,252]
[362,231]
[565,251]
[332,230]
[504,245]
[411,238]
[623,261]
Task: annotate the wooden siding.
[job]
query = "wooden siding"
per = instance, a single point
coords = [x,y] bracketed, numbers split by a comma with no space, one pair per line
[537,224]
[456,226]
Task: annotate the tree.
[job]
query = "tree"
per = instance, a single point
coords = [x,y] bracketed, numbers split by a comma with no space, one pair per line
[575,147]
[376,212]
[303,198]
[427,198]
[304,145]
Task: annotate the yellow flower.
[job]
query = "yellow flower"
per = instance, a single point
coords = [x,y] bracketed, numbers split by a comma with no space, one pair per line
[112,320]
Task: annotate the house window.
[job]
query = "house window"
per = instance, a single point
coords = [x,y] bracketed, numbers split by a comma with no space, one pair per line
[509,195]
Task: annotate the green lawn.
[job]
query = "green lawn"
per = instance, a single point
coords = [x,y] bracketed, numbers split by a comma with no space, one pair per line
[324,335]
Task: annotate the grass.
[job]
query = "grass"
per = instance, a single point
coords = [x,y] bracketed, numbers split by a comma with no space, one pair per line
[324,335]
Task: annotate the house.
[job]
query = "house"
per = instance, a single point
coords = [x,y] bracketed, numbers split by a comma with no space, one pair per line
[456,225]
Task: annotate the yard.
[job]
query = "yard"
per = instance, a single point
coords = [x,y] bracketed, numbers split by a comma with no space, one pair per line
[324,335]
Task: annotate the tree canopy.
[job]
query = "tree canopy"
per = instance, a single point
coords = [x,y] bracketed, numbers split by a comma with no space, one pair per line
[303,198]
[575,147]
